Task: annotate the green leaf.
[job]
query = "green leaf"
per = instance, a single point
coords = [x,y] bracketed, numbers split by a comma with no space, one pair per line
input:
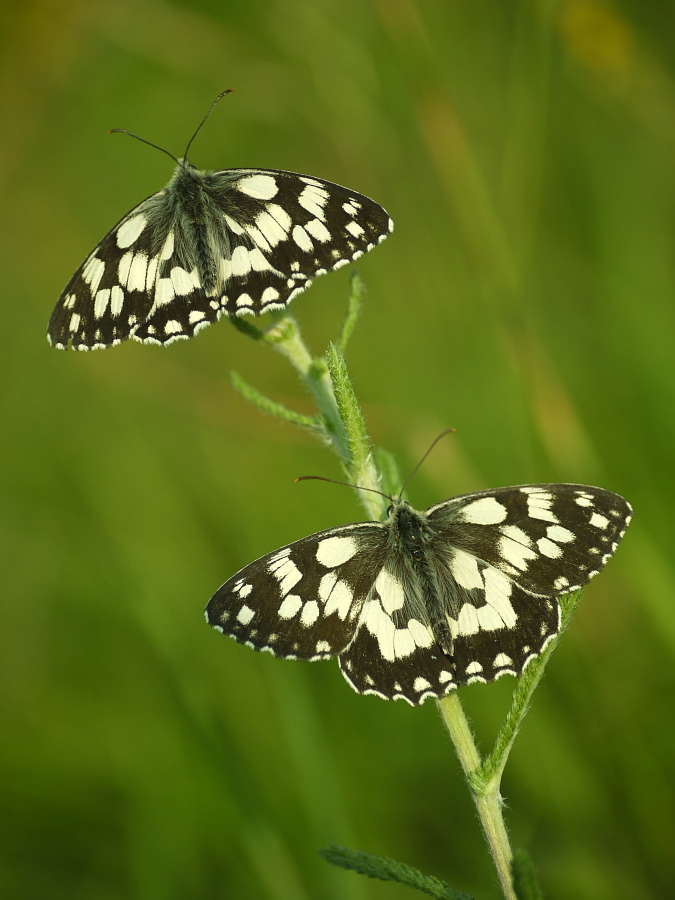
[253,395]
[525,881]
[390,870]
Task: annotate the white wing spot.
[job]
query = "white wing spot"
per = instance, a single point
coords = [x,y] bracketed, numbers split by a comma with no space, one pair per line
[497,592]
[598,521]
[404,644]
[354,229]
[310,613]
[464,569]
[421,634]
[381,626]
[286,573]
[421,684]
[474,668]
[549,548]
[514,551]
[467,620]
[313,199]
[390,590]
[245,615]
[484,511]
[138,273]
[164,292]
[129,231]
[334,551]
[583,500]
[302,239]
[183,282]
[501,660]
[290,606]
[274,224]
[152,273]
[240,262]
[233,225]
[116,300]
[101,302]
[560,534]
[318,230]
[92,273]
[539,506]
[167,248]
[260,186]
[269,295]
[336,595]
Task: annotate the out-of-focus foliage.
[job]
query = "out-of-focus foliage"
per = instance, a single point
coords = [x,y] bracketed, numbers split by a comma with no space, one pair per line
[526,152]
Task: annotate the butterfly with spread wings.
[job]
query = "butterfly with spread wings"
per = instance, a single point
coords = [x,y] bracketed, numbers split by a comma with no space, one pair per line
[427,601]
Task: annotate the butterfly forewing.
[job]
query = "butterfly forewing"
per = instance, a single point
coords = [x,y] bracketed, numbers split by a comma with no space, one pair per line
[303,600]
[212,243]
[428,601]
[549,538]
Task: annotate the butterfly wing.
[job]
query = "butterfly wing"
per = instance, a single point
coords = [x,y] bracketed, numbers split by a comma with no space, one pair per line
[503,556]
[285,229]
[304,600]
[549,538]
[395,653]
[113,290]
[212,243]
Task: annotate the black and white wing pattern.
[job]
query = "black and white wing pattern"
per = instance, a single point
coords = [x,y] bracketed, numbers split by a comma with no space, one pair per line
[212,243]
[427,601]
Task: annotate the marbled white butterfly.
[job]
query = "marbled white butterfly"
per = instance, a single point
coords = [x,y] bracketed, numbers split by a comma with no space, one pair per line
[212,243]
[427,601]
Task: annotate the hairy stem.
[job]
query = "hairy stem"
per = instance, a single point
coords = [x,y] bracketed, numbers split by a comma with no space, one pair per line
[486,795]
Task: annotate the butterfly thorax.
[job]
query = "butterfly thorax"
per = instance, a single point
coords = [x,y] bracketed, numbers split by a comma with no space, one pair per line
[190,207]
[410,531]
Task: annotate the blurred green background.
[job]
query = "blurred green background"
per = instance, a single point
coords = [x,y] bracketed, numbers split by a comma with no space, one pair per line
[526,152]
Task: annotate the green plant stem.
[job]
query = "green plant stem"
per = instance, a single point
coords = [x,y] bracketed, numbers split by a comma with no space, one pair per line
[341,424]
[286,339]
[486,795]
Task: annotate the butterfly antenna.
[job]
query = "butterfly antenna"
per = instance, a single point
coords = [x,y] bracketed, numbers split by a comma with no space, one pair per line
[198,128]
[142,140]
[357,487]
[431,447]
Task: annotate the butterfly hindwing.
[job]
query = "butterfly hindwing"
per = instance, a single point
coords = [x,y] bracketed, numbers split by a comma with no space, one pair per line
[212,243]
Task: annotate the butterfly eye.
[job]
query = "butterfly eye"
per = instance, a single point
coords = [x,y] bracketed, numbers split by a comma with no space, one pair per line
[390,509]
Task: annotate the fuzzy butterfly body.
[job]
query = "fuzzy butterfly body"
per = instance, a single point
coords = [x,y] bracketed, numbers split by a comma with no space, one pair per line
[427,601]
[212,243]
